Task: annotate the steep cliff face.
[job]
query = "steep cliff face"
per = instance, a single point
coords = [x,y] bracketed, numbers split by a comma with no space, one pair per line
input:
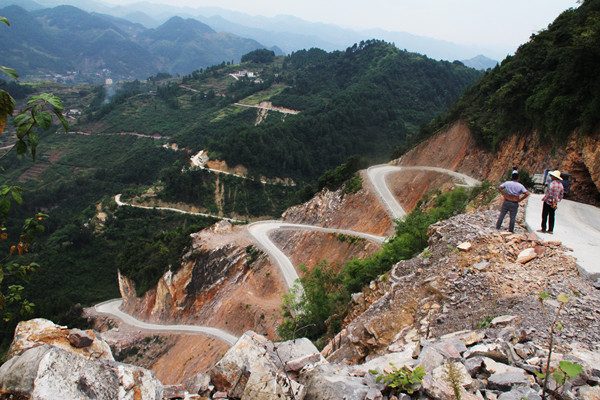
[361,211]
[455,148]
[221,285]
[216,279]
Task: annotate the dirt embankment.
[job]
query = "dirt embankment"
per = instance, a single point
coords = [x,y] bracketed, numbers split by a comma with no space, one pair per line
[455,148]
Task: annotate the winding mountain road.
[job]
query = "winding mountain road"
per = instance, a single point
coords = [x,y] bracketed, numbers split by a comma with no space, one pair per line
[570,219]
[177,210]
[112,308]
[378,173]
[260,232]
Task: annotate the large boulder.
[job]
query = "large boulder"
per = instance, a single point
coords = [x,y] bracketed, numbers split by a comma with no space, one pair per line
[334,381]
[253,368]
[47,372]
[37,332]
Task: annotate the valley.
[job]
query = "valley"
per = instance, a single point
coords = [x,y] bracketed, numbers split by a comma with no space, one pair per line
[261,231]
[297,221]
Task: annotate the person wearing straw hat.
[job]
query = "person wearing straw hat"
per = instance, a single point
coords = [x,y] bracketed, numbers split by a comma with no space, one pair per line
[553,195]
[513,193]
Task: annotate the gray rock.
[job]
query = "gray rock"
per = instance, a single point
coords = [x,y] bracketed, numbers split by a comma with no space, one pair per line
[332,382]
[507,380]
[590,393]
[520,394]
[270,385]
[79,338]
[198,384]
[294,349]
[430,358]
[474,366]
[451,348]
[440,389]
[502,320]
[597,283]
[481,265]
[254,361]
[299,363]
[495,351]
[47,372]
[374,394]
[173,392]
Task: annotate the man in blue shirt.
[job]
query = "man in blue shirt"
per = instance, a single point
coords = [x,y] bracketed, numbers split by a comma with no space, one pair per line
[513,193]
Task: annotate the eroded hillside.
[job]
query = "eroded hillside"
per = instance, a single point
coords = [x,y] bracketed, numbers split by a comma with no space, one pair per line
[455,148]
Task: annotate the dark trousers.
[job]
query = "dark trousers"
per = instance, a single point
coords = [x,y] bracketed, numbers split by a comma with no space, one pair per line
[548,215]
[508,207]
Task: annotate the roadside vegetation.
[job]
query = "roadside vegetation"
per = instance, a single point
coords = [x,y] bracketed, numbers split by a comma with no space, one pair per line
[319,311]
[549,86]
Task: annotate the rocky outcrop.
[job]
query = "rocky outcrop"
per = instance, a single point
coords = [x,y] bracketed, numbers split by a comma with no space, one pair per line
[48,372]
[38,332]
[499,362]
[445,290]
[454,148]
[360,212]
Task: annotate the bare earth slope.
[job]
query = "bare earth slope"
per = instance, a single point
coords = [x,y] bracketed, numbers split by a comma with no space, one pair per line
[455,148]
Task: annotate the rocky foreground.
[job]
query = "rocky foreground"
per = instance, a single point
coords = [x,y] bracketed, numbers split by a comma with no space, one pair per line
[466,310]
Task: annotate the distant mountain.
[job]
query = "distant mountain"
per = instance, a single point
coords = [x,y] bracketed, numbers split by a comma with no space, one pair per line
[550,86]
[184,45]
[287,32]
[480,62]
[72,43]
[28,5]
[68,44]
[292,33]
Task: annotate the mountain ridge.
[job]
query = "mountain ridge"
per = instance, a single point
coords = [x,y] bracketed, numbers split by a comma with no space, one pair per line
[76,46]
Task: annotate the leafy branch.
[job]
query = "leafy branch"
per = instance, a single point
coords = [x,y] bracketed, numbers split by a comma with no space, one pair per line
[566,369]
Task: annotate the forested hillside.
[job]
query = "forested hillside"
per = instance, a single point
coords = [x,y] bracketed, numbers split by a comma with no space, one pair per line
[363,101]
[73,46]
[550,86]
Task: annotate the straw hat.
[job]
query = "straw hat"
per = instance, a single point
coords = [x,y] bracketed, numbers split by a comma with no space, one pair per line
[556,174]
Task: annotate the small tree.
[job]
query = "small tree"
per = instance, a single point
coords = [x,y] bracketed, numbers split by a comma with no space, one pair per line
[38,114]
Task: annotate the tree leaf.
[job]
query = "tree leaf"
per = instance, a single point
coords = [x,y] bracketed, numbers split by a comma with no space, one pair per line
[4,206]
[21,147]
[7,106]
[62,120]
[4,20]
[44,119]
[570,368]
[559,377]
[22,118]
[17,196]
[23,130]
[53,100]
[9,71]
[543,296]
[563,298]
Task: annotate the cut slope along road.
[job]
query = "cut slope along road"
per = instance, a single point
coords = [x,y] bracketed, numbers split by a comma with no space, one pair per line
[260,231]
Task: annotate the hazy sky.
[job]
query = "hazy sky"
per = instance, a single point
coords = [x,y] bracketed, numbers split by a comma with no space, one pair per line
[491,22]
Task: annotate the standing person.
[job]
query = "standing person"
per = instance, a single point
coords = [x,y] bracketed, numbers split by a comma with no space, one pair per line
[553,195]
[513,193]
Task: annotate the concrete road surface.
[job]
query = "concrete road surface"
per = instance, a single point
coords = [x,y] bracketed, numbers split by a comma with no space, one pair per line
[378,173]
[111,308]
[577,226]
[260,232]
